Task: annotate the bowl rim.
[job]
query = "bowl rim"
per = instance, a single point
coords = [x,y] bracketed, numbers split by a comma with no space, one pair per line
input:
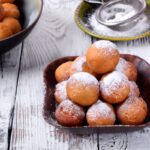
[86,30]
[48,120]
[30,26]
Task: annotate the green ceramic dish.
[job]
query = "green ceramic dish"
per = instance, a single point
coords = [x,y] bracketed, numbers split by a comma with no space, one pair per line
[82,14]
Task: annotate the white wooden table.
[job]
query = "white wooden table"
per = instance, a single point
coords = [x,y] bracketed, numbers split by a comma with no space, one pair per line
[22,90]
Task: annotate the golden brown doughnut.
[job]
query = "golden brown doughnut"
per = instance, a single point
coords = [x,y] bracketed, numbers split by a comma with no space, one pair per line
[134,90]
[114,87]
[1,12]
[127,68]
[60,92]
[7,1]
[100,113]
[69,114]
[13,24]
[102,56]
[83,89]
[80,65]
[132,111]
[62,72]
[4,31]
[11,10]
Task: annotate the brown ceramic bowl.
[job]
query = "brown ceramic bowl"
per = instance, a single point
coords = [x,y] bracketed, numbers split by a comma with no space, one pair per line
[143,82]
[30,14]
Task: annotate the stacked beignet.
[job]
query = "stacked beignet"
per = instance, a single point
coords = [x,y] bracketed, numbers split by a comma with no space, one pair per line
[99,88]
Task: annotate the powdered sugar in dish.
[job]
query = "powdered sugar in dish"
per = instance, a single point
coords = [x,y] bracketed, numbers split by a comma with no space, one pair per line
[137,27]
[106,45]
[118,12]
[112,82]
[83,78]
[61,90]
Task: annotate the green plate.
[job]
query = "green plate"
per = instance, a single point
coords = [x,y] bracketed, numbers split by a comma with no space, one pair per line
[84,11]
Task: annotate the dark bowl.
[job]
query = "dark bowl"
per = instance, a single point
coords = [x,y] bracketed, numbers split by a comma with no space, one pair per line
[49,108]
[30,13]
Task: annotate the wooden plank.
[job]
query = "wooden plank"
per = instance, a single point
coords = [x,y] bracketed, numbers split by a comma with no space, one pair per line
[56,35]
[8,81]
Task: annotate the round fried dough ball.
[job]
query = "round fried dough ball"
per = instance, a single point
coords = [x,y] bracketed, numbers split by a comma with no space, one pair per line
[11,10]
[100,113]
[13,24]
[7,1]
[102,57]
[1,12]
[69,114]
[83,89]
[127,68]
[114,87]
[80,65]
[62,72]
[134,90]
[60,92]
[4,31]
[132,111]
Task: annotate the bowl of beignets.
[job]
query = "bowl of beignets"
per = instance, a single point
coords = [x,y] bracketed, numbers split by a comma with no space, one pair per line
[17,19]
[98,92]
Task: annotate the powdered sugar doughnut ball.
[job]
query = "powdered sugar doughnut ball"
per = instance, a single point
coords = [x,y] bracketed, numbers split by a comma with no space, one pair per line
[134,90]
[1,12]
[101,113]
[102,56]
[80,65]
[114,87]
[127,68]
[11,10]
[132,111]
[69,114]
[62,72]
[60,92]
[83,89]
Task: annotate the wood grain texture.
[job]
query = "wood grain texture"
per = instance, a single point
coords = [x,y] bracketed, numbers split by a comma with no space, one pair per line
[56,35]
[8,81]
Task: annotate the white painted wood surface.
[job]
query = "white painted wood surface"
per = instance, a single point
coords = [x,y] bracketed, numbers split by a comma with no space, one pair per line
[8,83]
[21,84]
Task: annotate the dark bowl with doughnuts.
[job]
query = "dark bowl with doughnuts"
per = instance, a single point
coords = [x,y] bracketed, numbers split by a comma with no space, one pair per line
[30,12]
[143,81]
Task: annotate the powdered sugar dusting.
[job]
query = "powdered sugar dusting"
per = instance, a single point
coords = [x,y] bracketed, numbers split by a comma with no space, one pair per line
[134,90]
[109,46]
[101,109]
[71,109]
[139,26]
[121,66]
[118,12]
[78,63]
[112,82]
[61,90]
[83,78]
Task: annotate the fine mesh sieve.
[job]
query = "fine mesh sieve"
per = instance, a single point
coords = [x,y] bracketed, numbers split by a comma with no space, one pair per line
[118,12]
